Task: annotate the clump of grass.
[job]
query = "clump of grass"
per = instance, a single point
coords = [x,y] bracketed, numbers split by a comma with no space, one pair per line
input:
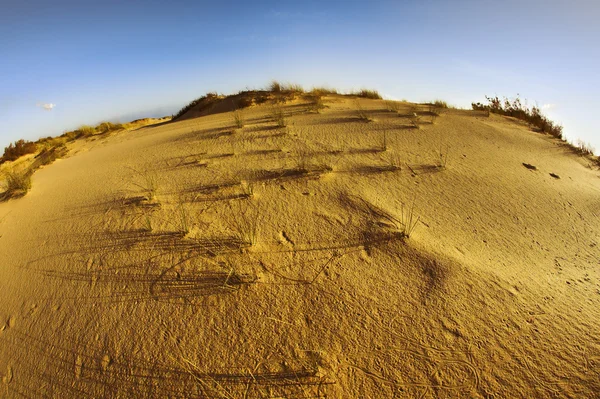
[440,104]
[85,131]
[584,148]
[315,102]
[238,119]
[107,127]
[392,106]
[360,112]
[322,91]
[409,219]
[414,117]
[384,141]
[17,184]
[366,93]
[278,116]
[18,149]
[247,188]
[149,184]
[245,221]
[442,154]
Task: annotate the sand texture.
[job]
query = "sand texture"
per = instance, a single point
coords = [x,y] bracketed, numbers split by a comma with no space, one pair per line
[198,259]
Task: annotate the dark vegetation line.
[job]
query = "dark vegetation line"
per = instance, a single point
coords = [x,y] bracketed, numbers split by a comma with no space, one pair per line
[536,120]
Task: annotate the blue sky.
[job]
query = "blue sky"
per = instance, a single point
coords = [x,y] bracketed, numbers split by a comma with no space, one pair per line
[89,61]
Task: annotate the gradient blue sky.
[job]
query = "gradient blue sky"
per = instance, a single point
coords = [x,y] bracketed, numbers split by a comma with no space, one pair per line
[120,60]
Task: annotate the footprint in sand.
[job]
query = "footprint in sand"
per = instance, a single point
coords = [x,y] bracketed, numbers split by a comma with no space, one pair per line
[78,366]
[11,322]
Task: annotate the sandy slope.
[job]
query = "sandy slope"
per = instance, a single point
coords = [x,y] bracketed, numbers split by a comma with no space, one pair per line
[495,295]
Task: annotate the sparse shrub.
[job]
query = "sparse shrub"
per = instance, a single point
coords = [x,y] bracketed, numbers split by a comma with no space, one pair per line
[245,221]
[84,131]
[322,91]
[275,86]
[442,154]
[238,119]
[18,149]
[360,112]
[365,93]
[409,219]
[278,116]
[392,106]
[315,103]
[414,117]
[17,184]
[584,148]
[440,104]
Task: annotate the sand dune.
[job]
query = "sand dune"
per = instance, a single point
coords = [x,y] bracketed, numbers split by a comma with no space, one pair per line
[330,257]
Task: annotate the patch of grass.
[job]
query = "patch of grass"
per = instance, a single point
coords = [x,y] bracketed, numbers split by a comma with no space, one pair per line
[584,148]
[17,149]
[85,131]
[361,114]
[442,154]
[366,93]
[278,116]
[414,117]
[238,119]
[245,222]
[148,183]
[315,102]
[322,91]
[107,127]
[247,188]
[392,106]
[409,219]
[17,184]
[440,104]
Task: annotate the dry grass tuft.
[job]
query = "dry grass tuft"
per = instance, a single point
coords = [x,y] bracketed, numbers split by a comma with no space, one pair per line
[17,184]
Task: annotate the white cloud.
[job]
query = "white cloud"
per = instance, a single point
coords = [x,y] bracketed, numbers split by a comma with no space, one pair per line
[548,106]
[47,106]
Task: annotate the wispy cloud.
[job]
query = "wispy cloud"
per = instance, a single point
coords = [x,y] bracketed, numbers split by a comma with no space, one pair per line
[47,106]
[548,106]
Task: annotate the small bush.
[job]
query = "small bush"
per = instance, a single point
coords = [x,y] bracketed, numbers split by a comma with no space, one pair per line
[18,149]
[440,104]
